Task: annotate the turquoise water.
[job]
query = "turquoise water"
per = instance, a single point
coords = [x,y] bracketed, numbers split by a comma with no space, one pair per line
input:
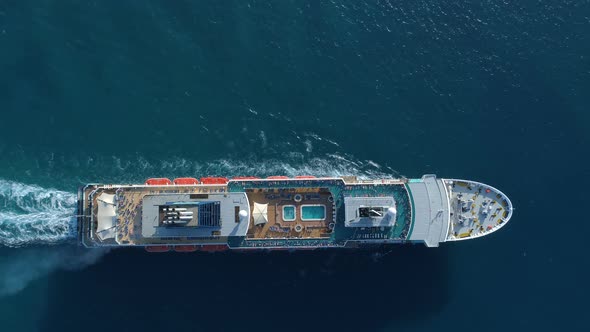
[313,212]
[288,212]
[120,91]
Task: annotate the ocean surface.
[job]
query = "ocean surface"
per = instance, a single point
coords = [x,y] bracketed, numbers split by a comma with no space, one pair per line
[119,91]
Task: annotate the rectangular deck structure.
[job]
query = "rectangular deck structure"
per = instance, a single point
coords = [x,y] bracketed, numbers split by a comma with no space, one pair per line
[152,226]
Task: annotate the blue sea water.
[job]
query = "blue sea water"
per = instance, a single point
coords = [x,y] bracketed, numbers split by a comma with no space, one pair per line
[118,91]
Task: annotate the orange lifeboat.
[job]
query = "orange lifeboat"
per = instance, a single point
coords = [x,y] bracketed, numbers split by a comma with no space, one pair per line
[189,181]
[214,180]
[278,177]
[185,248]
[305,177]
[157,248]
[214,247]
[245,178]
[158,182]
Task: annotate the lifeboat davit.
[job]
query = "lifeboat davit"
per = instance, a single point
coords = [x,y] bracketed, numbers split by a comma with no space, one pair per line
[189,181]
[278,177]
[214,247]
[157,248]
[214,180]
[185,248]
[158,182]
[245,178]
[305,177]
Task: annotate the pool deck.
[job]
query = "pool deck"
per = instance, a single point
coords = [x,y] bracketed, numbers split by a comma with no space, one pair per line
[276,227]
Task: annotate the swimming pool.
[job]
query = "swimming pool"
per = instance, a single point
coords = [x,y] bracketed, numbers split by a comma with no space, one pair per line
[289,212]
[313,212]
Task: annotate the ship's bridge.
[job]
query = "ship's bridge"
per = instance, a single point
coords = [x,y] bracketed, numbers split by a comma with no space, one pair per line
[431,210]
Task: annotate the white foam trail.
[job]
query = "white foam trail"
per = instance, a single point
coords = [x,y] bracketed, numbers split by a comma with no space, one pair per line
[21,267]
[293,164]
[297,164]
[30,214]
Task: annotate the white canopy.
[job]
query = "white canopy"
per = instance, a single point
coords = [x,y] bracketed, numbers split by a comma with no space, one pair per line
[107,216]
[259,213]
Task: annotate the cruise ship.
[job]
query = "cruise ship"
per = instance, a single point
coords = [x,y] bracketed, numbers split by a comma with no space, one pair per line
[282,213]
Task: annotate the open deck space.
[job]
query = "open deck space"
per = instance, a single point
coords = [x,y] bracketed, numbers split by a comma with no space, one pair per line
[290,225]
[129,201]
[477,209]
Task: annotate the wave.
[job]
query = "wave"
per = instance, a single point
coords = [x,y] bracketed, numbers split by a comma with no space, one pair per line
[30,214]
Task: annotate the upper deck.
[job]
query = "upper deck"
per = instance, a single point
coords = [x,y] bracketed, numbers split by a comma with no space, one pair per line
[250,210]
[130,214]
[284,213]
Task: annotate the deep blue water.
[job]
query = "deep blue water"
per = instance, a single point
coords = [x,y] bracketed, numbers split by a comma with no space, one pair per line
[105,91]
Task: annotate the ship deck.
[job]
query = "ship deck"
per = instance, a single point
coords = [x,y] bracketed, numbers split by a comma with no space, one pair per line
[128,227]
[285,213]
[311,216]
[477,209]
[294,227]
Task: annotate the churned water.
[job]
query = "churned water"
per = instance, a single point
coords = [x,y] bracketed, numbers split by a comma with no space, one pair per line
[116,92]
[34,215]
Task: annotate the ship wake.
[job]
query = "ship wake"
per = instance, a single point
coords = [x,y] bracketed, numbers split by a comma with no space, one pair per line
[18,268]
[33,217]
[30,215]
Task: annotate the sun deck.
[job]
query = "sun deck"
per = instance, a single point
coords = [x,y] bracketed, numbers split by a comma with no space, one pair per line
[129,220]
[277,225]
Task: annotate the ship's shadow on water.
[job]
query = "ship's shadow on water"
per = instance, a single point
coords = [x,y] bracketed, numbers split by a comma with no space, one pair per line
[318,290]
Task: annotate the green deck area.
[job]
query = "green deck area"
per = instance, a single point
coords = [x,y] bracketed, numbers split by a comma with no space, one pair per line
[412,212]
[403,221]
